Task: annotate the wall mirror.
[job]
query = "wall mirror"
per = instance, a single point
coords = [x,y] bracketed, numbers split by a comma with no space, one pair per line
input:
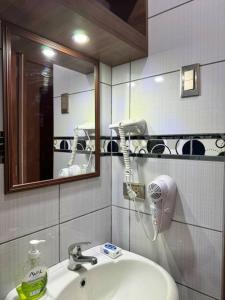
[51,111]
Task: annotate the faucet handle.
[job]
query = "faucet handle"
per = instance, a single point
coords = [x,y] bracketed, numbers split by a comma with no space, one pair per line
[77,248]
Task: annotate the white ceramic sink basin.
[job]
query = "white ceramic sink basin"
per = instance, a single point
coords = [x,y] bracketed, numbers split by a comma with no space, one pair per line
[129,277]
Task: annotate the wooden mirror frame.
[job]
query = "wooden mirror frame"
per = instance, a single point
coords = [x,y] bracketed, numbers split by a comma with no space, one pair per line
[10,111]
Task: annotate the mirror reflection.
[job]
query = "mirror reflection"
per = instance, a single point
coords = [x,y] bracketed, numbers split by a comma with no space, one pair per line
[54,99]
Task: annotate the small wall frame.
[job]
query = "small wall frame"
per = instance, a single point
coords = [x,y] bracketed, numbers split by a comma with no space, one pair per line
[190,81]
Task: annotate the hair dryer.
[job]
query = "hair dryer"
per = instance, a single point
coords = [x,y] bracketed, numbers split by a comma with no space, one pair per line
[162,192]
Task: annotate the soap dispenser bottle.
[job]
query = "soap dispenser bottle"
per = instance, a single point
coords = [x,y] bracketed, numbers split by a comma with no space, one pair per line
[34,283]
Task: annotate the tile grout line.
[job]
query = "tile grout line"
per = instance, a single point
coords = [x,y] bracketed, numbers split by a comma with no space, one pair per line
[169,9]
[89,213]
[110,85]
[55,225]
[27,234]
[173,220]
[176,157]
[166,73]
[75,93]
[212,63]
[188,287]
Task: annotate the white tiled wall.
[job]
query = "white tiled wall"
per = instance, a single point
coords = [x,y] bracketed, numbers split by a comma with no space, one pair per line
[120,102]
[27,212]
[80,88]
[85,197]
[180,33]
[77,210]
[160,103]
[188,34]
[160,6]
[120,227]
[189,294]
[192,255]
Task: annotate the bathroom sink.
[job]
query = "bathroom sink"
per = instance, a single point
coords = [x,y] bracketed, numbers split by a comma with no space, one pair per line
[128,277]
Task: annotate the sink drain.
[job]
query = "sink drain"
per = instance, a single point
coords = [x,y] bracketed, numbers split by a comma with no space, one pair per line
[83,283]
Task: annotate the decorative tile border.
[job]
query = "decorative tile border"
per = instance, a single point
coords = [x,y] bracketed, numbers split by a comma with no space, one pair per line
[198,146]
[64,144]
[203,146]
[209,147]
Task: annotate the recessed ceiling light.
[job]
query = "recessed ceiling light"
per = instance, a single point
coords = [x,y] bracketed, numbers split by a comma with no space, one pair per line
[80,37]
[48,52]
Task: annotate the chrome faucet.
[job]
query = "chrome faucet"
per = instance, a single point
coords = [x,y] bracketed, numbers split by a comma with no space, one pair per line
[76,259]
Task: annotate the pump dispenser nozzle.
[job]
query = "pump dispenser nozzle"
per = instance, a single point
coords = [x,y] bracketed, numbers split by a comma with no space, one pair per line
[34,252]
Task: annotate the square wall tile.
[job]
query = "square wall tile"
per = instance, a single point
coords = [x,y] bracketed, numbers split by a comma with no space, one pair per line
[160,104]
[121,74]
[120,102]
[199,189]
[25,212]
[191,33]
[105,109]
[117,183]
[82,197]
[192,255]
[94,227]
[188,294]
[13,256]
[120,227]
[105,74]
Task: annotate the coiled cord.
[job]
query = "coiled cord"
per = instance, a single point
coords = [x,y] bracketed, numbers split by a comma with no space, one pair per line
[128,174]
[90,155]
[74,147]
[128,171]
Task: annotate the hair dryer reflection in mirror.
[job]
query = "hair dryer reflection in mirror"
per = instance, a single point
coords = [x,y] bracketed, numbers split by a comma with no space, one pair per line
[73,169]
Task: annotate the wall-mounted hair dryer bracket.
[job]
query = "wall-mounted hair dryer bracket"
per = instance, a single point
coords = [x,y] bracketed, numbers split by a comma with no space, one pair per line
[131,127]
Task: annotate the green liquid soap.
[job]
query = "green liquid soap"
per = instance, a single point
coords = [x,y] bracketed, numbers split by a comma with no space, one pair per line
[33,285]
[32,290]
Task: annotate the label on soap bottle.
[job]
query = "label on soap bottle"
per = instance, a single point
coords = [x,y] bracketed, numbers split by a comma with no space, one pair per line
[35,282]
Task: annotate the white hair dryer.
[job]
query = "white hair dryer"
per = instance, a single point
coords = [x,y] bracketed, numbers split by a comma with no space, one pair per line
[162,191]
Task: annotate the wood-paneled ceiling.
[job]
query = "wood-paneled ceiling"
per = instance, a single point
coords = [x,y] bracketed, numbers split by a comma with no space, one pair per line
[112,40]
